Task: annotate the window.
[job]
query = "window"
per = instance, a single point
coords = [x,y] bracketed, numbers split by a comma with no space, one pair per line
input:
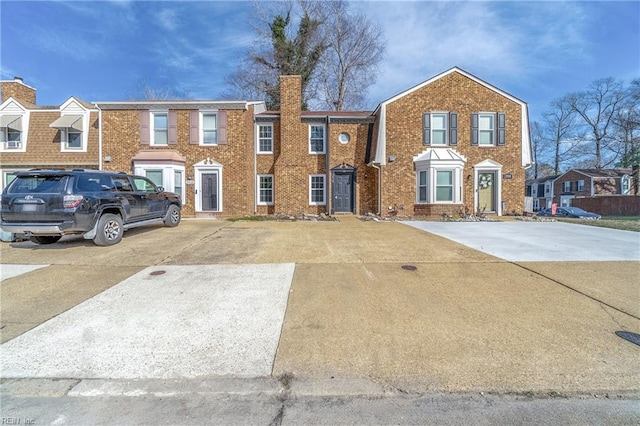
[144,185]
[566,186]
[209,129]
[265,139]
[626,185]
[486,126]
[444,186]
[438,129]
[71,138]
[422,186]
[547,188]
[536,204]
[581,185]
[11,132]
[155,176]
[317,190]
[177,182]
[160,132]
[528,192]
[316,139]
[265,189]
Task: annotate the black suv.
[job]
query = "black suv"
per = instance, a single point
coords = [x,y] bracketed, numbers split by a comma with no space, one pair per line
[47,204]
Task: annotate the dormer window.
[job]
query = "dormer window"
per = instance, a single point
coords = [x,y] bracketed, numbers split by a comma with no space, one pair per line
[71,129]
[11,132]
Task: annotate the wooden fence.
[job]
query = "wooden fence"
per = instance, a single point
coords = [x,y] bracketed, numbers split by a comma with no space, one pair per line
[610,205]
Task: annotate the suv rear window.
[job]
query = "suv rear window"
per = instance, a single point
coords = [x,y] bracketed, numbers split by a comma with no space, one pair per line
[38,184]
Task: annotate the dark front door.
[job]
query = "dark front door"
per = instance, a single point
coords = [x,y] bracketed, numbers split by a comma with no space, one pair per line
[342,192]
[209,192]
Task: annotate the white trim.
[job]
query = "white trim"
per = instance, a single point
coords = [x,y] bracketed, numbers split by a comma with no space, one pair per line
[273,195]
[152,127]
[324,138]
[324,190]
[258,125]
[201,115]
[203,167]
[13,107]
[488,166]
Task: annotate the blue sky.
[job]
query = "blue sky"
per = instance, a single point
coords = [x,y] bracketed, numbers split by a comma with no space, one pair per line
[102,50]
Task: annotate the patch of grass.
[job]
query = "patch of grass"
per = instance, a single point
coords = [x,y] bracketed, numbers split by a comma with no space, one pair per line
[247,218]
[625,223]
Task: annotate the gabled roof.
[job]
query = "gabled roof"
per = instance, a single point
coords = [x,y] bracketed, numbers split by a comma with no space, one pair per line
[542,180]
[603,173]
[380,156]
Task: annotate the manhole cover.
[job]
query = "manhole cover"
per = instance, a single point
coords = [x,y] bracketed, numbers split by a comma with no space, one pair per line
[629,336]
[157,272]
[409,267]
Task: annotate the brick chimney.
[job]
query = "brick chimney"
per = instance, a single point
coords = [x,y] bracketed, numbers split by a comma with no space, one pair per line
[17,90]
[289,172]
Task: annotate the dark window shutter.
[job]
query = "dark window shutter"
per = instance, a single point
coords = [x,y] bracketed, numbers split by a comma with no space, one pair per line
[501,129]
[194,129]
[453,128]
[173,128]
[222,128]
[145,135]
[426,128]
[474,129]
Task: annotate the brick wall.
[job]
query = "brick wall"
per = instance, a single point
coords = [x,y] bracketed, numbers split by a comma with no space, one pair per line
[19,91]
[121,141]
[454,93]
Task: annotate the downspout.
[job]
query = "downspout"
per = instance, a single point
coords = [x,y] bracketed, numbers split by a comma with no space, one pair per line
[99,137]
[373,164]
[328,207]
[255,164]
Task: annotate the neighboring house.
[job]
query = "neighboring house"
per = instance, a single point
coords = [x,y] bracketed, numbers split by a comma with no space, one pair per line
[541,192]
[581,183]
[33,136]
[453,144]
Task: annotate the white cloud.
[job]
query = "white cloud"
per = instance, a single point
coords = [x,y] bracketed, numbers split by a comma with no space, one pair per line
[494,40]
[167,19]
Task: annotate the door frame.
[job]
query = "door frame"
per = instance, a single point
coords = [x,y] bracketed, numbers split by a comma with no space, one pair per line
[207,166]
[344,169]
[488,166]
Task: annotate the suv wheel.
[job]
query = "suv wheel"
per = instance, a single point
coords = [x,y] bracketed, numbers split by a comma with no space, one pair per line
[44,239]
[172,218]
[109,230]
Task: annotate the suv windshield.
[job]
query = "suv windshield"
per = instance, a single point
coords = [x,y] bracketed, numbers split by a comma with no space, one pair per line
[37,184]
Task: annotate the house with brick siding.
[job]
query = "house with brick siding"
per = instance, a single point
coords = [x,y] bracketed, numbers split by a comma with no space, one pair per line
[33,136]
[453,144]
[581,183]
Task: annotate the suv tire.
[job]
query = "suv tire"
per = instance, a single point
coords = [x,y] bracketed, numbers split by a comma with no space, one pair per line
[172,218]
[109,230]
[44,239]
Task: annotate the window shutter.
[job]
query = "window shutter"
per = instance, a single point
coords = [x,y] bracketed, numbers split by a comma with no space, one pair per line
[145,135]
[173,128]
[222,128]
[474,129]
[501,129]
[453,128]
[426,128]
[194,131]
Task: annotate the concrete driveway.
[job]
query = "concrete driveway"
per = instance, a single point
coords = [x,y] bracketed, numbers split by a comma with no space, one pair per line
[520,241]
[383,302]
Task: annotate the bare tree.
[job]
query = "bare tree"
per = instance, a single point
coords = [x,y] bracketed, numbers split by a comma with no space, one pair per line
[626,124]
[597,106]
[560,130]
[336,51]
[355,47]
[146,92]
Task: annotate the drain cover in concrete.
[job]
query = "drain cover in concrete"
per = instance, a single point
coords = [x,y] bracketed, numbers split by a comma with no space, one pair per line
[191,321]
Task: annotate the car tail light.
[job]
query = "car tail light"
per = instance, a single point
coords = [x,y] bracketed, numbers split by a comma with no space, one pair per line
[71,201]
